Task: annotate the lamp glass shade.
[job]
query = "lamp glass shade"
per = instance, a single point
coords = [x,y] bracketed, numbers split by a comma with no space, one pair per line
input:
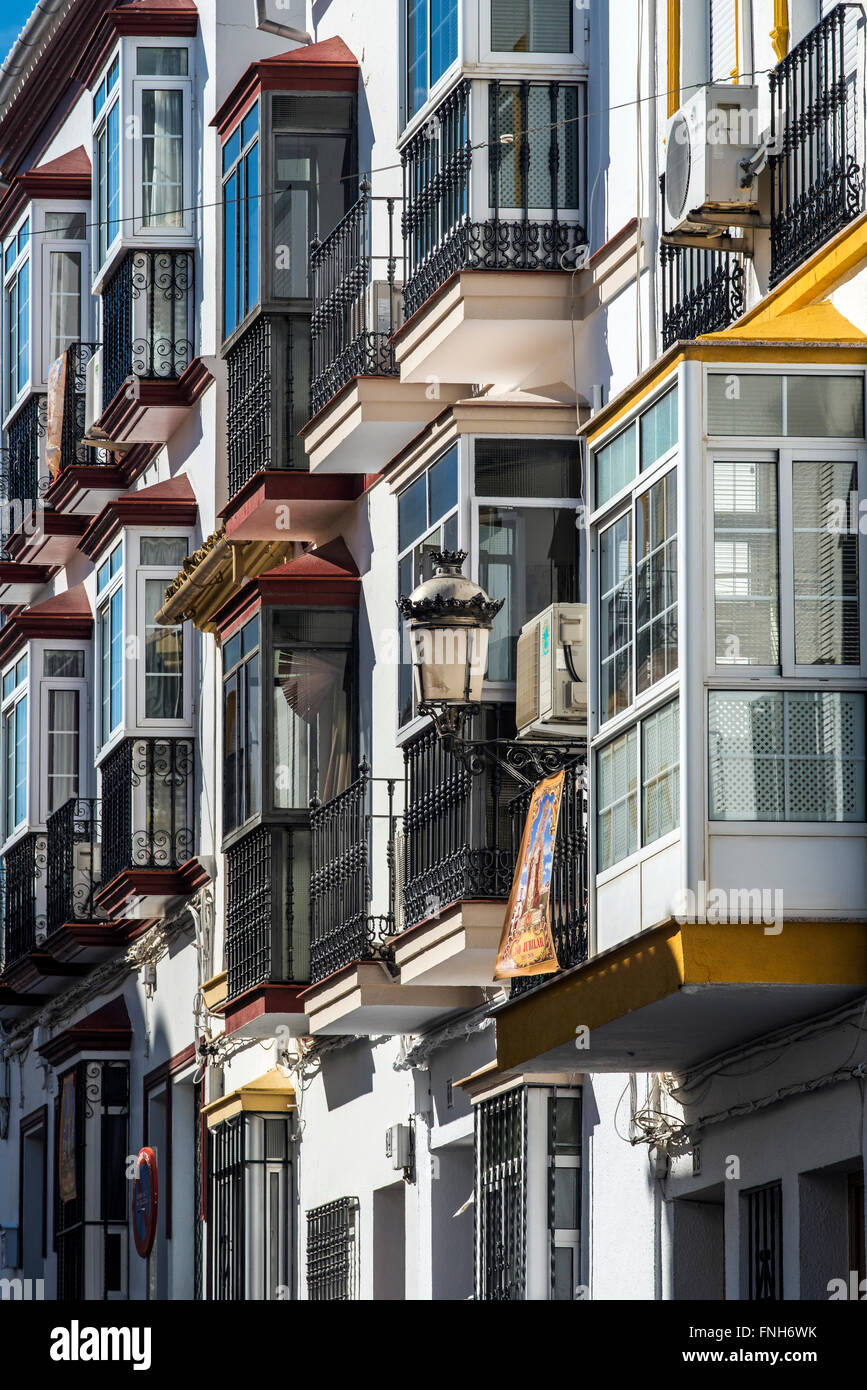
[449,663]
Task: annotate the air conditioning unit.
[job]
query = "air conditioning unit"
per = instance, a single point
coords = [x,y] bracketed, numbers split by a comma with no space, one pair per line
[551,686]
[93,390]
[384,307]
[705,143]
[398,1146]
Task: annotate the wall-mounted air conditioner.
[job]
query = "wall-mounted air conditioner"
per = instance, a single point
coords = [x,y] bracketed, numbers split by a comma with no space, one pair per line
[706,141]
[551,685]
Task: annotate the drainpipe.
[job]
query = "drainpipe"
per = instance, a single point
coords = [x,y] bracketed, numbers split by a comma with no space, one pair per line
[284,30]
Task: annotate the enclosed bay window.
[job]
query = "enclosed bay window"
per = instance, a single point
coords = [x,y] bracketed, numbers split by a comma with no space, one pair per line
[312,705]
[64,250]
[17,290]
[645,756]
[786,755]
[109,624]
[242,796]
[15,744]
[529,549]
[427,521]
[531,26]
[521,116]
[63,696]
[241,221]
[647,441]
[431,47]
[251,1217]
[106,162]
[313,188]
[162,111]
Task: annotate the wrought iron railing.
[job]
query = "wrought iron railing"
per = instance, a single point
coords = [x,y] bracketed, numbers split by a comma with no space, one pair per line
[269,371]
[568,896]
[22,486]
[147,816]
[267,908]
[73,862]
[147,317]
[457,827]
[702,291]
[23,872]
[343,927]
[817,164]
[531,166]
[354,313]
[72,448]
[500,1207]
[332,1251]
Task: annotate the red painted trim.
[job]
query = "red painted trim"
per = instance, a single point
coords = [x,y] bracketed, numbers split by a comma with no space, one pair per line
[123,414]
[328,66]
[107,1030]
[141,883]
[135,509]
[288,485]
[151,21]
[258,1002]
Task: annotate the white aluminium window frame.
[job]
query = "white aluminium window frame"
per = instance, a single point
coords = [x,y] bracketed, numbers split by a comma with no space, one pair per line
[79,247]
[100,129]
[107,735]
[164,574]
[11,279]
[79,685]
[163,234]
[520,62]
[786,453]
[9,704]
[645,849]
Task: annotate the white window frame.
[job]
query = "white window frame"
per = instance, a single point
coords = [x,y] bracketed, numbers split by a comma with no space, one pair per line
[599,513]
[442,84]
[75,683]
[644,850]
[505,690]
[100,125]
[10,277]
[480,136]
[103,601]
[162,235]
[78,247]
[527,61]
[786,452]
[20,691]
[164,573]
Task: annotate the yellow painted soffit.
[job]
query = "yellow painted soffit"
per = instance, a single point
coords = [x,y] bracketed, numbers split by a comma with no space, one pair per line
[813,323]
[658,963]
[271,1094]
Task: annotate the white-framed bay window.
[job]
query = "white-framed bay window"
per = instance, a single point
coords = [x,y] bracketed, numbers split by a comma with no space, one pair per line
[17,312]
[14,714]
[637,787]
[107,160]
[162,156]
[163,686]
[63,714]
[64,251]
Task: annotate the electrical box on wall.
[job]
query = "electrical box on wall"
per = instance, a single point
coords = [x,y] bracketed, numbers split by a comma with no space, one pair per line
[398,1146]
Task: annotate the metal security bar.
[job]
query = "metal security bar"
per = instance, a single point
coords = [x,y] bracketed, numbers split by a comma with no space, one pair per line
[332,1251]
[817,135]
[73,862]
[266,929]
[702,291]
[72,450]
[250,1226]
[568,898]
[147,310]
[343,928]
[147,805]
[765,1243]
[458,833]
[501,1197]
[20,482]
[531,163]
[23,870]
[354,313]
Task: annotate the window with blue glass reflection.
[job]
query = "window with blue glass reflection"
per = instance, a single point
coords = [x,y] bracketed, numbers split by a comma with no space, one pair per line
[431,47]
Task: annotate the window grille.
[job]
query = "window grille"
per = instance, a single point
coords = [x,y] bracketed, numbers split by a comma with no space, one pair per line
[332,1251]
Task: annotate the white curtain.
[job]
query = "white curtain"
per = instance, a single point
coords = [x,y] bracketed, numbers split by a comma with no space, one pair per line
[162,158]
[64,301]
[62,747]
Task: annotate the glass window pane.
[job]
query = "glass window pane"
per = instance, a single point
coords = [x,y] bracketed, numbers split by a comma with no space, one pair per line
[64,301]
[250,124]
[827,610]
[566,1198]
[66,226]
[617,800]
[828,406]
[522,175]
[250,739]
[443,485]
[116,709]
[529,556]
[660,767]
[161,62]
[615,466]
[531,26]
[416,54]
[412,513]
[615,618]
[746,581]
[746,754]
[62,746]
[527,468]
[743,403]
[231,735]
[162,158]
[231,317]
[64,664]
[166,551]
[564,1124]
[443,36]
[164,648]
[656,582]
[659,429]
[312,711]
[250,636]
[251,240]
[231,149]
[564,1278]
[313,190]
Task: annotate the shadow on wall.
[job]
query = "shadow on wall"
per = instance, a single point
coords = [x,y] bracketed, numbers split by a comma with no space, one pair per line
[347,1074]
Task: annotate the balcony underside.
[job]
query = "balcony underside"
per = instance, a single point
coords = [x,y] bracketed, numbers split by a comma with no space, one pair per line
[150,409]
[284,505]
[141,893]
[363,998]
[266,1012]
[457,947]
[83,489]
[677,995]
[512,328]
[367,422]
[38,973]
[46,538]
[20,583]
[14,1004]
[85,942]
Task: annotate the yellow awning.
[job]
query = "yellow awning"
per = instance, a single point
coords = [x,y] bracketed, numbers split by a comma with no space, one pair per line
[271,1094]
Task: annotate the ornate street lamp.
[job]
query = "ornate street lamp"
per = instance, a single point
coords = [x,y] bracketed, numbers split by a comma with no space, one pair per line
[450,619]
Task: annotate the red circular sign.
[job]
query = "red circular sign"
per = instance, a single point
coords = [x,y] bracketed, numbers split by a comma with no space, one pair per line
[145,1202]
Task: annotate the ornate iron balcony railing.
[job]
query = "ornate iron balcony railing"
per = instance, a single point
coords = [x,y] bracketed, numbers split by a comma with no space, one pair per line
[702,291]
[73,862]
[23,872]
[568,900]
[267,908]
[817,135]
[72,450]
[457,826]
[147,317]
[21,485]
[343,928]
[354,314]
[531,168]
[269,371]
[147,814]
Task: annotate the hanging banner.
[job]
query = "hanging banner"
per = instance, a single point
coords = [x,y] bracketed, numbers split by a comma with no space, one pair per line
[68,1189]
[527,945]
[54,431]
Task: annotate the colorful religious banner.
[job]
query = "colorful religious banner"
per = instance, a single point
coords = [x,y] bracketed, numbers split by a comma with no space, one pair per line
[67,1182]
[54,433]
[527,945]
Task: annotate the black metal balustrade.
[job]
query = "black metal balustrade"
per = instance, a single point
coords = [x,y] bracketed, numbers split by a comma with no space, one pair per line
[531,163]
[268,370]
[343,928]
[267,908]
[73,862]
[458,834]
[500,1207]
[21,487]
[354,314]
[72,449]
[23,871]
[817,165]
[702,291]
[332,1251]
[147,805]
[568,897]
[147,317]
